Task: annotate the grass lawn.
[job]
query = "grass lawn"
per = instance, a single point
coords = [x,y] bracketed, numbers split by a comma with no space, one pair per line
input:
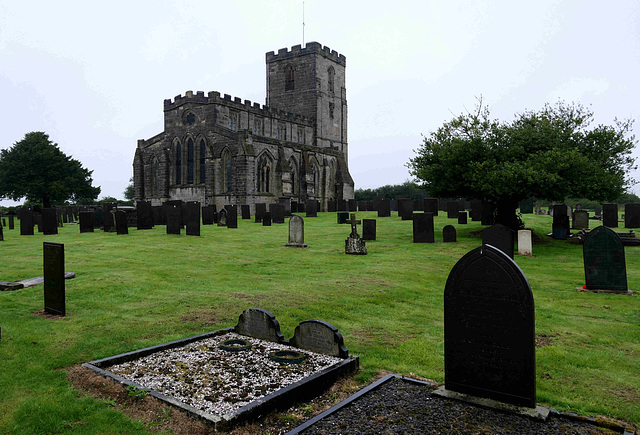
[146,288]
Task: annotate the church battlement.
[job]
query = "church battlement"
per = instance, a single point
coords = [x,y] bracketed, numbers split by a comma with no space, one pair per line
[236,103]
[310,47]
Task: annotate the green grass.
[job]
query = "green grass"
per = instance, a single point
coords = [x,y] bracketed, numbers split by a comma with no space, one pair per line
[147,288]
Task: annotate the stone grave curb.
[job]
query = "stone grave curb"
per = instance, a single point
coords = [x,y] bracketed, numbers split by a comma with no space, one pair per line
[304,389]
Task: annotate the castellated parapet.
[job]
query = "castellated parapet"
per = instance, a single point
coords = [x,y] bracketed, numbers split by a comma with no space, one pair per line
[310,48]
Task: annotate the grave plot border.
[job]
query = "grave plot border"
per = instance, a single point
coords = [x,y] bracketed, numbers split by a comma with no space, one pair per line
[302,390]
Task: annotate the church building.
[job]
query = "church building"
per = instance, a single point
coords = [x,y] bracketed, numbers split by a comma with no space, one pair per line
[220,150]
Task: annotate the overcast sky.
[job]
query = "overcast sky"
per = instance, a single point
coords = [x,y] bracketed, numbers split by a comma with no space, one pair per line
[94,75]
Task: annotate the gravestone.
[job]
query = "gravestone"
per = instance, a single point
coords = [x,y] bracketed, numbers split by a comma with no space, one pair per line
[86,222]
[1,233]
[449,234]
[54,286]
[362,206]
[580,219]
[49,221]
[295,208]
[430,205]
[245,211]
[598,212]
[207,215]
[610,215]
[107,218]
[352,205]
[26,222]
[285,202]
[342,205]
[423,230]
[144,214]
[604,261]
[121,222]
[277,213]
[462,218]
[232,215]
[489,329]
[525,247]
[156,212]
[559,209]
[394,205]
[320,337]
[368,229]
[173,213]
[417,205]
[475,214]
[311,208]
[560,227]
[261,209]
[266,219]
[259,323]
[296,232]
[37,218]
[193,218]
[384,208]
[526,206]
[405,208]
[342,217]
[354,245]
[442,204]
[486,213]
[331,206]
[632,215]
[500,237]
[453,209]
[222,217]
[11,222]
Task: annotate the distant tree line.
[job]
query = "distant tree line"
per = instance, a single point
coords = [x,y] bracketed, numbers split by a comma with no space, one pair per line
[407,189]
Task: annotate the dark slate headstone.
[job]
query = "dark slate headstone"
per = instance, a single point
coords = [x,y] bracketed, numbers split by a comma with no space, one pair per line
[144,215]
[486,213]
[423,231]
[285,202]
[500,237]
[193,218]
[610,215]
[598,212]
[442,204]
[604,263]
[11,222]
[405,208]
[107,218]
[476,210]
[296,232]
[261,209]
[259,323]
[1,233]
[394,205]
[311,208]
[86,222]
[362,206]
[559,209]
[368,229]
[384,208]
[320,337]
[560,227]
[54,297]
[294,207]
[453,208]
[156,212]
[352,205]
[632,215]
[331,206]
[173,213]
[342,217]
[266,219]
[449,234]
[430,205]
[37,218]
[489,329]
[462,217]
[207,215]
[26,222]
[232,216]
[121,222]
[342,205]
[245,211]
[417,205]
[277,213]
[526,206]
[49,221]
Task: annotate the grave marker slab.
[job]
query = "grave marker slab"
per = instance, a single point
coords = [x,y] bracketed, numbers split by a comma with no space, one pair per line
[453,209]
[232,216]
[49,221]
[259,323]
[277,213]
[331,205]
[266,219]
[321,337]
[525,247]
[193,218]
[449,234]
[580,219]
[245,211]
[430,205]
[384,208]
[1,233]
[261,209]
[54,286]
[11,222]
[632,215]
[486,213]
[526,206]
[296,232]
[311,208]
[560,226]
[604,261]
[342,205]
[26,222]
[405,208]
[156,212]
[207,215]
[462,218]
[368,229]
[86,222]
[144,215]
[352,205]
[500,237]
[107,218]
[173,213]
[489,333]
[121,222]
[222,217]
[423,230]
[342,217]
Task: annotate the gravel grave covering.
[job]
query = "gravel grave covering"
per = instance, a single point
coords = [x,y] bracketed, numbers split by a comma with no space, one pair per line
[217,381]
[402,407]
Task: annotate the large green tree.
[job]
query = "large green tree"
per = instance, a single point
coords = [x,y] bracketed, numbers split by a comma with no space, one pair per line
[35,168]
[553,154]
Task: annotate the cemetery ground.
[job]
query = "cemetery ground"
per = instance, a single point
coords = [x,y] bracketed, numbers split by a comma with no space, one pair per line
[146,288]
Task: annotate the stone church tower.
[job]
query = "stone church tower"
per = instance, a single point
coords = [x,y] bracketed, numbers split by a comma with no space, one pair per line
[219,150]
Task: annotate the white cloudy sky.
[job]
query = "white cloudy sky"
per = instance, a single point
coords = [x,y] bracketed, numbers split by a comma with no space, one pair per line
[93,75]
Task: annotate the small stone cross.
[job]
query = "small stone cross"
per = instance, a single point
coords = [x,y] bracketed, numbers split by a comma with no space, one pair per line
[354,222]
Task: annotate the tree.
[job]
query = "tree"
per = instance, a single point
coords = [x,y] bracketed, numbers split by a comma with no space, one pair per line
[550,154]
[407,189]
[37,170]
[129,191]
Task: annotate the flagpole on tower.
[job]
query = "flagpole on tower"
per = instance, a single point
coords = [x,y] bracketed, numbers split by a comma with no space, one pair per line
[303,24]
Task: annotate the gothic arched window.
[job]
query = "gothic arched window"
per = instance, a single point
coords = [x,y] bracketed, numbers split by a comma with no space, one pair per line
[331,73]
[155,173]
[178,163]
[289,78]
[264,174]
[190,158]
[226,171]
[202,166]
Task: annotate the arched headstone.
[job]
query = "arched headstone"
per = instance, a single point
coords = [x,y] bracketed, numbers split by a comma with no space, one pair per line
[604,262]
[296,232]
[449,234]
[499,236]
[321,337]
[259,323]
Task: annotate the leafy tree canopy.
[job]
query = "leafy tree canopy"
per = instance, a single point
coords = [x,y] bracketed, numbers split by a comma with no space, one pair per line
[35,168]
[549,154]
[407,189]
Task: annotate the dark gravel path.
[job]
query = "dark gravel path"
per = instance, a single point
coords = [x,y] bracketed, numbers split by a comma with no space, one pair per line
[402,407]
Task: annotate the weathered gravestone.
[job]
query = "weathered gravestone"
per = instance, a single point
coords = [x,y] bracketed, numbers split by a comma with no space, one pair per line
[462,218]
[342,205]
[368,229]
[156,212]
[54,287]
[144,212]
[489,329]
[295,207]
[604,263]
[266,219]
[121,222]
[320,337]
[311,208]
[560,227]
[610,215]
[486,213]
[193,218]
[500,237]
[173,213]
[37,218]
[11,222]
[86,222]
[107,218]
[232,216]
[598,212]
[207,214]
[430,205]
[632,215]
[49,221]
[580,219]
[245,211]
[423,231]
[449,234]
[26,222]
[405,208]
[384,208]
[1,234]
[296,232]
[453,208]
[259,323]
[354,244]
[526,206]
[525,247]
[261,209]
[277,213]
[222,217]
[342,217]
[331,206]
[352,205]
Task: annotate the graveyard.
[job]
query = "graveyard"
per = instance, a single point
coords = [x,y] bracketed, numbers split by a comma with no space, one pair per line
[147,287]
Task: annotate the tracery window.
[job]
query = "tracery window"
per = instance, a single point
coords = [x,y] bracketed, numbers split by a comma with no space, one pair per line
[178,163]
[331,74]
[190,159]
[233,121]
[289,78]
[226,171]
[202,160]
[264,174]
[257,126]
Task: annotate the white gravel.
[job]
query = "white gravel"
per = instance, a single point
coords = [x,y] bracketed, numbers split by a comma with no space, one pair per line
[217,381]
